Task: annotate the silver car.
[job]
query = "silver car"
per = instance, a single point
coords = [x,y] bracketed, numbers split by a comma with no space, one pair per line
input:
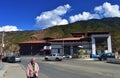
[53,57]
[14,59]
[17,59]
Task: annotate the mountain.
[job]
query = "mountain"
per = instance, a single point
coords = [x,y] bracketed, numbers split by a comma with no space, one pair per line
[107,24]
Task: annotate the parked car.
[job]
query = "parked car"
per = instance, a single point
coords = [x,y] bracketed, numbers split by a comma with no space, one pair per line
[14,59]
[53,57]
[5,59]
[67,57]
[18,59]
[11,59]
[1,56]
[104,56]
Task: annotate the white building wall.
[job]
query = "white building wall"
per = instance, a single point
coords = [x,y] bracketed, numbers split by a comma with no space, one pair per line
[56,46]
[109,44]
[59,45]
[71,50]
[93,46]
[100,36]
[55,49]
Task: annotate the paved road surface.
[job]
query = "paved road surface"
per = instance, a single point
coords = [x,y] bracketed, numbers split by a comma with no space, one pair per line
[76,69]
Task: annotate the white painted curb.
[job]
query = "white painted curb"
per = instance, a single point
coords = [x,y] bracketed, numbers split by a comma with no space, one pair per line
[113,60]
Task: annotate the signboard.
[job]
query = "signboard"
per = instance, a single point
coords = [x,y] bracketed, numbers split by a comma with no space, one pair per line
[47,47]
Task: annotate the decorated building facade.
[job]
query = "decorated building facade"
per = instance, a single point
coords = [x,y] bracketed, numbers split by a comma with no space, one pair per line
[90,43]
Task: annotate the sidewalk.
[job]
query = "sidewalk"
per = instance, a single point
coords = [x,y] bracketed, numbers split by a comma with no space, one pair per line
[14,71]
[3,69]
[1,65]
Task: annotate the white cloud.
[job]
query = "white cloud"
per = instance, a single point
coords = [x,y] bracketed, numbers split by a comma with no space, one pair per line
[53,17]
[103,11]
[83,16]
[8,28]
[108,10]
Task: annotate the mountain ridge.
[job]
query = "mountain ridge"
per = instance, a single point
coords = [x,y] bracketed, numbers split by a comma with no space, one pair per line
[111,25]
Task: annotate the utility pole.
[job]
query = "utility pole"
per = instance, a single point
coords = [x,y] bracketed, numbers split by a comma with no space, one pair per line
[3,45]
[63,46]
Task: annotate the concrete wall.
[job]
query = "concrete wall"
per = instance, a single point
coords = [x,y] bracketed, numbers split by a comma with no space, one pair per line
[113,60]
[109,45]
[55,49]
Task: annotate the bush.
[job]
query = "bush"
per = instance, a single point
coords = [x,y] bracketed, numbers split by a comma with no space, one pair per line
[75,56]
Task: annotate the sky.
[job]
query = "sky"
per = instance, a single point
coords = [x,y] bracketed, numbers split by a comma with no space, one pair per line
[20,15]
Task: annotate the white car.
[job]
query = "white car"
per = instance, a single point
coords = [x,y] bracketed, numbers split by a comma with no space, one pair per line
[18,59]
[14,59]
[53,57]
[68,56]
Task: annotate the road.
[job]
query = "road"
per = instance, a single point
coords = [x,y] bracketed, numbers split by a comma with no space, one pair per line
[76,69]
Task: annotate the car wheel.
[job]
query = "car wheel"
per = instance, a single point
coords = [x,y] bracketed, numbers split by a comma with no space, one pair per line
[60,59]
[57,59]
[103,59]
[100,59]
[46,59]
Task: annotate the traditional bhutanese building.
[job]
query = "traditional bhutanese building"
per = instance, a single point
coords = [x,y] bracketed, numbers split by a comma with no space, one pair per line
[93,43]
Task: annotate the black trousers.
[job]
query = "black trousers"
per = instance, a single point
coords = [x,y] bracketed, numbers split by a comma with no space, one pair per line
[34,77]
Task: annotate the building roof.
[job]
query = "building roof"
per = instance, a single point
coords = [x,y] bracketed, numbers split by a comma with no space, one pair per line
[32,42]
[78,34]
[53,40]
[97,32]
[82,38]
[48,38]
[66,39]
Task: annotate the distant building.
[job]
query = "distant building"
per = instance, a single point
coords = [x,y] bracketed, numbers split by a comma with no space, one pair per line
[92,43]
[31,47]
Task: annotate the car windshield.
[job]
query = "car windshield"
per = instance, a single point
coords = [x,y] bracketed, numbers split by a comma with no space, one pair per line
[17,56]
[54,54]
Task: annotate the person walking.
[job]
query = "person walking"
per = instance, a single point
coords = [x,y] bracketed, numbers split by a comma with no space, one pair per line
[32,69]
